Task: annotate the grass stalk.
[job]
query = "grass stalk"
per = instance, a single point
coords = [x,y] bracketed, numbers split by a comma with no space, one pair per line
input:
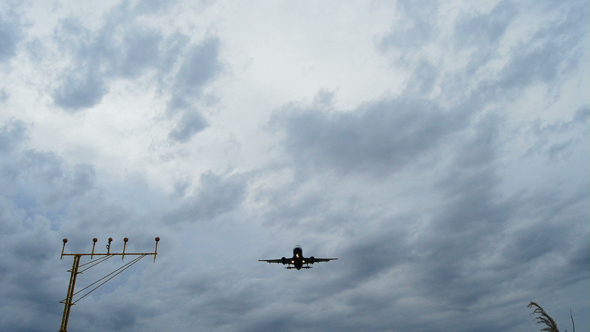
[544,318]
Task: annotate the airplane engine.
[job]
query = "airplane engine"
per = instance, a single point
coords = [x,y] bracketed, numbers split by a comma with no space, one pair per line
[311,259]
[284,260]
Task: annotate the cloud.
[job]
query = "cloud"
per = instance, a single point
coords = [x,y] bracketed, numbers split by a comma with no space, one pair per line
[379,137]
[552,51]
[12,134]
[140,51]
[554,140]
[485,30]
[40,183]
[480,148]
[216,196]
[199,67]
[481,35]
[152,6]
[83,88]
[26,270]
[414,29]
[124,48]
[190,124]
[11,32]
[119,49]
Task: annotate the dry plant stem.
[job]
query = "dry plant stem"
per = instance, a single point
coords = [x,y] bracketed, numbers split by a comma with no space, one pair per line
[543,318]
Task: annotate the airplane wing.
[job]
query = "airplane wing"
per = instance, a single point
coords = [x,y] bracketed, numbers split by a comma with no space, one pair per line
[280,261]
[319,260]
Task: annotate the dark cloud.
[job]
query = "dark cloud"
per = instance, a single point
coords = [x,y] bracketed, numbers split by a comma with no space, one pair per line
[553,51]
[41,181]
[555,140]
[481,34]
[12,134]
[480,148]
[216,195]
[152,6]
[376,253]
[172,46]
[200,66]
[82,89]
[424,78]
[123,48]
[534,242]
[11,32]
[100,56]
[140,51]
[379,137]
[190,124]
[293,206]
[484,30]
[544,250]
[462,232]
[414,29]
[582,114]
[26,277]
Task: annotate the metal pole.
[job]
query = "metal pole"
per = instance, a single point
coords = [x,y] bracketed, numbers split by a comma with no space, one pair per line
[68,301]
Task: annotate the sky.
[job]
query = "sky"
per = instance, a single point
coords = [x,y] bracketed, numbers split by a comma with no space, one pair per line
[439,149]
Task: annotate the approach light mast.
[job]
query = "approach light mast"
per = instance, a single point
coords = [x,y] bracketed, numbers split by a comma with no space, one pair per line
[69,300]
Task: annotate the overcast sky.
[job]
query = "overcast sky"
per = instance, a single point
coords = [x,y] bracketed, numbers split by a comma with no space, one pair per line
[439,149]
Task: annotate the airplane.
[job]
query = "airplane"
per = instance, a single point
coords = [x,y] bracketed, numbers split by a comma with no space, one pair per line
[297,260]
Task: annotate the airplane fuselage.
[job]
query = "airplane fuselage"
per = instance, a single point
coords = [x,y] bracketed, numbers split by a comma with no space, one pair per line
[298,260]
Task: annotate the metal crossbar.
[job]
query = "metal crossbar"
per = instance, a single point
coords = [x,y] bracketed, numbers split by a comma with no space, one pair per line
[96,262]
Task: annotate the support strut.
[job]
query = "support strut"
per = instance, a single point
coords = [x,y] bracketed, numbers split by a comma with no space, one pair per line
[69,298]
